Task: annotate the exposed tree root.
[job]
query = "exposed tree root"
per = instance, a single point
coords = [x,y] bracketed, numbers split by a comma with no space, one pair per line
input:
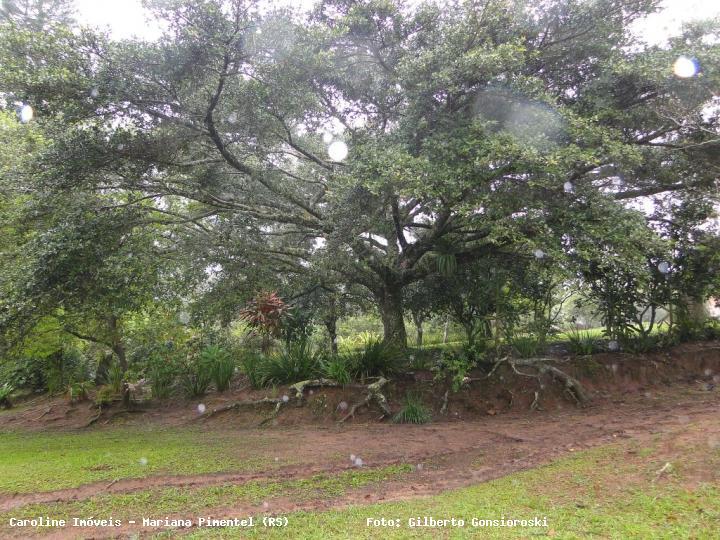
[300,387]
[443,409]
[242,404]
[47,411]
[572,385]
[373,394]
[274,414]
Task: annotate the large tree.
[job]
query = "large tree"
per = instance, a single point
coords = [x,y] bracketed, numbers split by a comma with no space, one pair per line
[474,130]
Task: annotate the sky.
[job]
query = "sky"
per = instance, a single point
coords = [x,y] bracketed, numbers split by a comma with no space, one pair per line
[126,18]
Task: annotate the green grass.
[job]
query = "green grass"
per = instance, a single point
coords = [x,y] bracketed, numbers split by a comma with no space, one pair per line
[191,502]
[587,495]
[33,462]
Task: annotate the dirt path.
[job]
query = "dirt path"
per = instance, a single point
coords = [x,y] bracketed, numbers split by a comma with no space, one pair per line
[452,455]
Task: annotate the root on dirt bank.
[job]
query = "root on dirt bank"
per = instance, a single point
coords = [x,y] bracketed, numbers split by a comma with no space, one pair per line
[573,387]
[373,393]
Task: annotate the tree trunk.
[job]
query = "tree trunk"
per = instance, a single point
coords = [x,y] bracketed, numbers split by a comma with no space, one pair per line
[390,303]
[331,327]
[119,349]
[117,345]
[418,320]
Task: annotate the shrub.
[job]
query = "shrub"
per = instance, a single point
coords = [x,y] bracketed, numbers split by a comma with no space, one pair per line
[582,343]
[104,397]
[221,365]
[252,366]
[377,358]
[115,377]
[338,368]
[79,391]
[162,372]
[413,411]
[5,391]
[641,343]
[525,346]
[195,376]
[295,362]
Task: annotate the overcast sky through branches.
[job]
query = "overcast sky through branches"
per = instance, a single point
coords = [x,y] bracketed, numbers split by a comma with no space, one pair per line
[126,18]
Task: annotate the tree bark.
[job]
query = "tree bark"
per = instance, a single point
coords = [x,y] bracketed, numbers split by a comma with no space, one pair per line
[331,326]
[418,320]
[390,303]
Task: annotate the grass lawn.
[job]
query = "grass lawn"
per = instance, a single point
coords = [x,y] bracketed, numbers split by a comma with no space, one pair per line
[613,491]
[33,462]
[593,494]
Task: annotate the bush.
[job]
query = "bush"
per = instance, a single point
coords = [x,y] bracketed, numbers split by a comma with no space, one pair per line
[378,359]
[252,365]
[104,397]
[582,343]
[115,377]
[526,346]
[221,364]
[642,343]
[295,362]
[79,391]
[162,372]
[5,391]
[195,376]
[338,368]
[413,411]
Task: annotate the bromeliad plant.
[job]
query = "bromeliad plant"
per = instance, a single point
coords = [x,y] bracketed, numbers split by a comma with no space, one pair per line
[264,315]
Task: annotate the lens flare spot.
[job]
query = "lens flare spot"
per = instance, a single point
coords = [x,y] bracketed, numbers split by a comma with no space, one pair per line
[26,114]
[685,67]
[338,151]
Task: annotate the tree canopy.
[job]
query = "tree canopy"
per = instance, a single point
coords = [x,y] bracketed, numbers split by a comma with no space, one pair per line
[370,143]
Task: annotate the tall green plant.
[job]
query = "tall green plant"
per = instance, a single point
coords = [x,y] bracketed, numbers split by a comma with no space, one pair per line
[222,366]
[378,358]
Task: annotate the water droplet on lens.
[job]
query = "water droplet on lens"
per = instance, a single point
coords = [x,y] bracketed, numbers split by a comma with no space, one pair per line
[539,254]
[663,267]
[568,187]
[184,317]
[327,137]
[94,93]
[338,151]
[285,399]
[143,461]
[201,408]
[358,462]
[232,117]
[342,405]
[685,67]
[352,458]
[614,346]
[26,114]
